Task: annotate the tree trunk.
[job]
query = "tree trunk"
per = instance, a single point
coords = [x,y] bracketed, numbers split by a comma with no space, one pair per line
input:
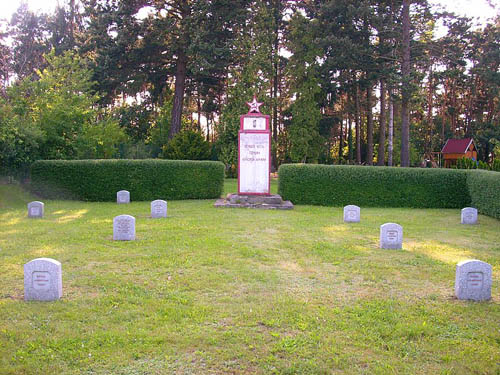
[381,135]
[405,97]
[277,20]
[349,137]
[341,140]
[180,84]
[369,126]
[358,127]
[390,140]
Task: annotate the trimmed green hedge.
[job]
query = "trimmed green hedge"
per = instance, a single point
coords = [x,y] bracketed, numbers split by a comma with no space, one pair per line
[484,188]
[329,185]
[99,180]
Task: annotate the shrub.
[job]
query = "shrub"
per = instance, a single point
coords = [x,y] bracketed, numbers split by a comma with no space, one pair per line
[466,163]
[187,145]
[495,165]
[373,186]
[484,189]
[99,180]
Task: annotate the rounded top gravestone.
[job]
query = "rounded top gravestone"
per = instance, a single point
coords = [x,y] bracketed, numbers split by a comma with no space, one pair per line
[158,209]
[391,236]
[473,280]
[352,214]
[124,228]
[42,280]
[35,209]
[469,215]
[123,197]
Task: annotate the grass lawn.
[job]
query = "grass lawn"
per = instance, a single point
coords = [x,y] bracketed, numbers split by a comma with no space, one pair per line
[241,291]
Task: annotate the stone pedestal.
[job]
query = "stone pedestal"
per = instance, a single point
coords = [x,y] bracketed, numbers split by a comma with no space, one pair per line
[266,202]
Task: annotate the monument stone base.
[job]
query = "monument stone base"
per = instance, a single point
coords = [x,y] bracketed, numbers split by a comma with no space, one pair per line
[266,202]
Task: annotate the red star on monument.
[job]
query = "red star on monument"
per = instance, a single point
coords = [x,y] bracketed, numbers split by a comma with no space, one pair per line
[254,105]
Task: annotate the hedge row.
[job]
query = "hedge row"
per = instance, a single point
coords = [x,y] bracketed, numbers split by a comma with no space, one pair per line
[374,186]
[484,189]
[99,180]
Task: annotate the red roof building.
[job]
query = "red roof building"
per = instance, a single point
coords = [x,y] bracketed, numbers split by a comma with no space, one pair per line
[455,149]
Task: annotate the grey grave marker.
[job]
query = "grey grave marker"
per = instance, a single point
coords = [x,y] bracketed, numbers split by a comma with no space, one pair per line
[124,228]
[158,209]
[469,215]
[42,280]
[473,280]
[35,209]
[391,236]
[122,197]
[351,214]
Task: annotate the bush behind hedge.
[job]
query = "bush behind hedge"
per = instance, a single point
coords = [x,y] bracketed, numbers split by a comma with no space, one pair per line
[373,186]
[99,180]
[484,189]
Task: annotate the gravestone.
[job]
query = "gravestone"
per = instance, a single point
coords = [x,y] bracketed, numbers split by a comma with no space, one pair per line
[124,228]
[473,280]
[35,209]
[391,236]
[469,215]
[158,209]
[254,152]
[122,197]
[42,280]
[352,214]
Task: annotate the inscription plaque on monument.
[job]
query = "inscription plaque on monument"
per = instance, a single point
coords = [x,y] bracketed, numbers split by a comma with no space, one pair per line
[254,152]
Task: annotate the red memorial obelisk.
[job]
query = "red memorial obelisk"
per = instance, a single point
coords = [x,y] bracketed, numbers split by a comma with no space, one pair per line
[254,165]
[254,152]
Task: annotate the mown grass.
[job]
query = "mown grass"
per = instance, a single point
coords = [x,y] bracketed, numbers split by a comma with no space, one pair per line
[239,291]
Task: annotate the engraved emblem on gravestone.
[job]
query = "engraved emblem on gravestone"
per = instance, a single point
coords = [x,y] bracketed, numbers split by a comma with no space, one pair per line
[124,228]
[473,280]
[469,215]
[35,209]
[351,214]
[42,280]
[391,236]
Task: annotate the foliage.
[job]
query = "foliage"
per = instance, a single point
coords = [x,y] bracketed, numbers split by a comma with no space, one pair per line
[100,140]
[373,186]
[466,163]
[484,190]
[99,180]
[19,141]
[187,145]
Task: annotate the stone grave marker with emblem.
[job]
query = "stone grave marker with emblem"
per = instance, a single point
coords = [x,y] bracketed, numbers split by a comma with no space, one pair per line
[473,280]
[391,236]
[42,280]
[35,209]
[158,209]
